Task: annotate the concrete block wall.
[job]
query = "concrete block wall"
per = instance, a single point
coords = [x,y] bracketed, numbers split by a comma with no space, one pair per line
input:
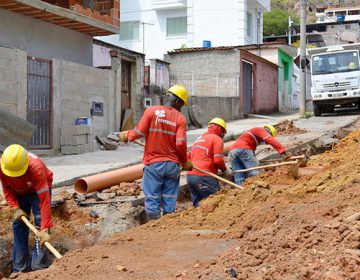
[13,81]
[76,139]
[206,73]
[77,87]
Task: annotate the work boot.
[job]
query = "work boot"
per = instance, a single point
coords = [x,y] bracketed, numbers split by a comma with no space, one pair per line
[14,275]
[153,216]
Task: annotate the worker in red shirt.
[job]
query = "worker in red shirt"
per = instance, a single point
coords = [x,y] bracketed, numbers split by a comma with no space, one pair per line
[242,151]
[207,153]
[26,183]
[164,128]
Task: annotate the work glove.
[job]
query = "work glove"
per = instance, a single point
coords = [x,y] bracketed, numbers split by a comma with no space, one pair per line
[18,213]
[227,174]
[44,236]
[123,136]
[187,165]
[286,155]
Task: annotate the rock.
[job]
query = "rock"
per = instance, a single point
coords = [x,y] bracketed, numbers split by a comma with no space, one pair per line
[105,196]
[197,265]
[121,268]
[262,184]
[94,214]
[106,191]
[232,272]
[353,217]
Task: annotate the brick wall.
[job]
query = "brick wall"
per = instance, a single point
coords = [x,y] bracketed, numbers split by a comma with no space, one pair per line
[265,87]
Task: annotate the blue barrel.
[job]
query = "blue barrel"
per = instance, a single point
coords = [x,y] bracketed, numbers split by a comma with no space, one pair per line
[206,44]
[340,18]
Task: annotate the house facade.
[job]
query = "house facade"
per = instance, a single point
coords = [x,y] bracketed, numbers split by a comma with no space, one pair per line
[154,27]
[47,75]
[225,81]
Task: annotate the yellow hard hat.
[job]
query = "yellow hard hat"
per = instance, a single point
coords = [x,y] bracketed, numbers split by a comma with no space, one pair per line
[218,121]
[179,91]
[272,129]
[352,65]
[14,161]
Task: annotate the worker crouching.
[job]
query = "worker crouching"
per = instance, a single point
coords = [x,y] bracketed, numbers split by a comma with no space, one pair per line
[164,129]
[242,152]
[207,154]
[26,183]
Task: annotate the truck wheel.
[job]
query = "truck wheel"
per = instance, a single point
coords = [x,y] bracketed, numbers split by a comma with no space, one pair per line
[317,110]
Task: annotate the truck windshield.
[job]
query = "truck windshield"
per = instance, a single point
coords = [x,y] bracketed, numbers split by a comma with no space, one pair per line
[335,62]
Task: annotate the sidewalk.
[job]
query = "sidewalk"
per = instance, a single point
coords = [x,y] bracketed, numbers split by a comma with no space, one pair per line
[67,169]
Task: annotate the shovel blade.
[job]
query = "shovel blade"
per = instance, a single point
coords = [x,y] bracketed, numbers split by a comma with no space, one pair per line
[294,171]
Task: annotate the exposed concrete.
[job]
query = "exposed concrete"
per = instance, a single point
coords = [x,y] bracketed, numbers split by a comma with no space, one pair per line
[13,80]
[44,40]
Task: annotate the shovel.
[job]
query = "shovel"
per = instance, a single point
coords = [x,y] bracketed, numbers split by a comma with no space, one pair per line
[206,172]
[47,244]
[266,166]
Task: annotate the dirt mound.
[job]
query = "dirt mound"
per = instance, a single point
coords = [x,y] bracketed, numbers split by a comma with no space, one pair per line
[277,228]
[287,127]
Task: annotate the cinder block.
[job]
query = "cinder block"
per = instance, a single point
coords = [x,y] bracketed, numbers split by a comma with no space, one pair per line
[78,149]
[73,130]
[73,140]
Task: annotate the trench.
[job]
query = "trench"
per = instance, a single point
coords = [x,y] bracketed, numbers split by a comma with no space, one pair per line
[85,220]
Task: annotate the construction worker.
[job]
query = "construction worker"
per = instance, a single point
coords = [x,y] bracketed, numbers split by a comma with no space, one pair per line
[164,128]
[207,153]
[26,183]
[242,151]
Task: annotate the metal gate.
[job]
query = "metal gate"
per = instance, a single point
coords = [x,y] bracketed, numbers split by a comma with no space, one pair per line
[247,86]
[125,89]
[39,101]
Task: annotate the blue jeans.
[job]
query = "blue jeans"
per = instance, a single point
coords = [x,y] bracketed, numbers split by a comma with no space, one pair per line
[243,159]
[161,187]
[21,257]
[201,187]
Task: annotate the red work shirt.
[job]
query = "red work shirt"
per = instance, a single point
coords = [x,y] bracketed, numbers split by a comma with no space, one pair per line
[165,131]
[253,137]
[207,153]
[37,178]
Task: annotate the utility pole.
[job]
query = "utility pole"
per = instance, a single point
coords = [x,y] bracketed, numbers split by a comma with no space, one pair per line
[289,30]
[302,105]
[143,34]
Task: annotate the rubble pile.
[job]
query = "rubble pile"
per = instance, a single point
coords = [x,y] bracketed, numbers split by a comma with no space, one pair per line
[277,228]
[287,127]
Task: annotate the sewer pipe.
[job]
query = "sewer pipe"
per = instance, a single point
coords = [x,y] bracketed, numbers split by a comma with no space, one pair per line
[108,179]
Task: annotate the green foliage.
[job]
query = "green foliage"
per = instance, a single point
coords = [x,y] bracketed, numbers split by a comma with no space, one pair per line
[276,22]
[308,46]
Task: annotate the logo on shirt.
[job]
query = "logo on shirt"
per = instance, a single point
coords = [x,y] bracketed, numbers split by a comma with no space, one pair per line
[29,184]
[162,114]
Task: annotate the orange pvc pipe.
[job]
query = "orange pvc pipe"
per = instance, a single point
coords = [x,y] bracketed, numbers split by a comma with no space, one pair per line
[105,180]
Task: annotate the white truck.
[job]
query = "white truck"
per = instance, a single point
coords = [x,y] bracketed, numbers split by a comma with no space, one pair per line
[335,77]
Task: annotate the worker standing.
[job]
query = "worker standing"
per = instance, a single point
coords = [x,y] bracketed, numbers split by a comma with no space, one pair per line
[242,151]
[26,183]
[164,128]
[207,153]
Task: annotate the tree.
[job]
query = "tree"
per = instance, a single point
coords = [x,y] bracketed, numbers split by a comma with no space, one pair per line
[276,22]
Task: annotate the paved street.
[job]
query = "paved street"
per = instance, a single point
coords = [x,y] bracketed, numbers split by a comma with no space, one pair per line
[68,168]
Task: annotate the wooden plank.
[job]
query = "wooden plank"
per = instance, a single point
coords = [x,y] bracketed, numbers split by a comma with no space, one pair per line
[128,120]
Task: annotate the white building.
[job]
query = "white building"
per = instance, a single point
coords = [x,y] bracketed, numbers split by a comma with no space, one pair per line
[154,27]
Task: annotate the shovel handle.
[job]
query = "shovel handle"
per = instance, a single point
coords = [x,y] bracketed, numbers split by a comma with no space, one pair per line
[139,143]
[281,159]
[265,166]
[219,178]
[47,244]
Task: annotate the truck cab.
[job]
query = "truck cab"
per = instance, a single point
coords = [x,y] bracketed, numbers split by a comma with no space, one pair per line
[335,78]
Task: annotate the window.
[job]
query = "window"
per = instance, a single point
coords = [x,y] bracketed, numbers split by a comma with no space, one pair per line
[129,30]
[176,26]
[249,25]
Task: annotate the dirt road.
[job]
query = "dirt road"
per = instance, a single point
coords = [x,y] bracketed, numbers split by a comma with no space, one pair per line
[278,228]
